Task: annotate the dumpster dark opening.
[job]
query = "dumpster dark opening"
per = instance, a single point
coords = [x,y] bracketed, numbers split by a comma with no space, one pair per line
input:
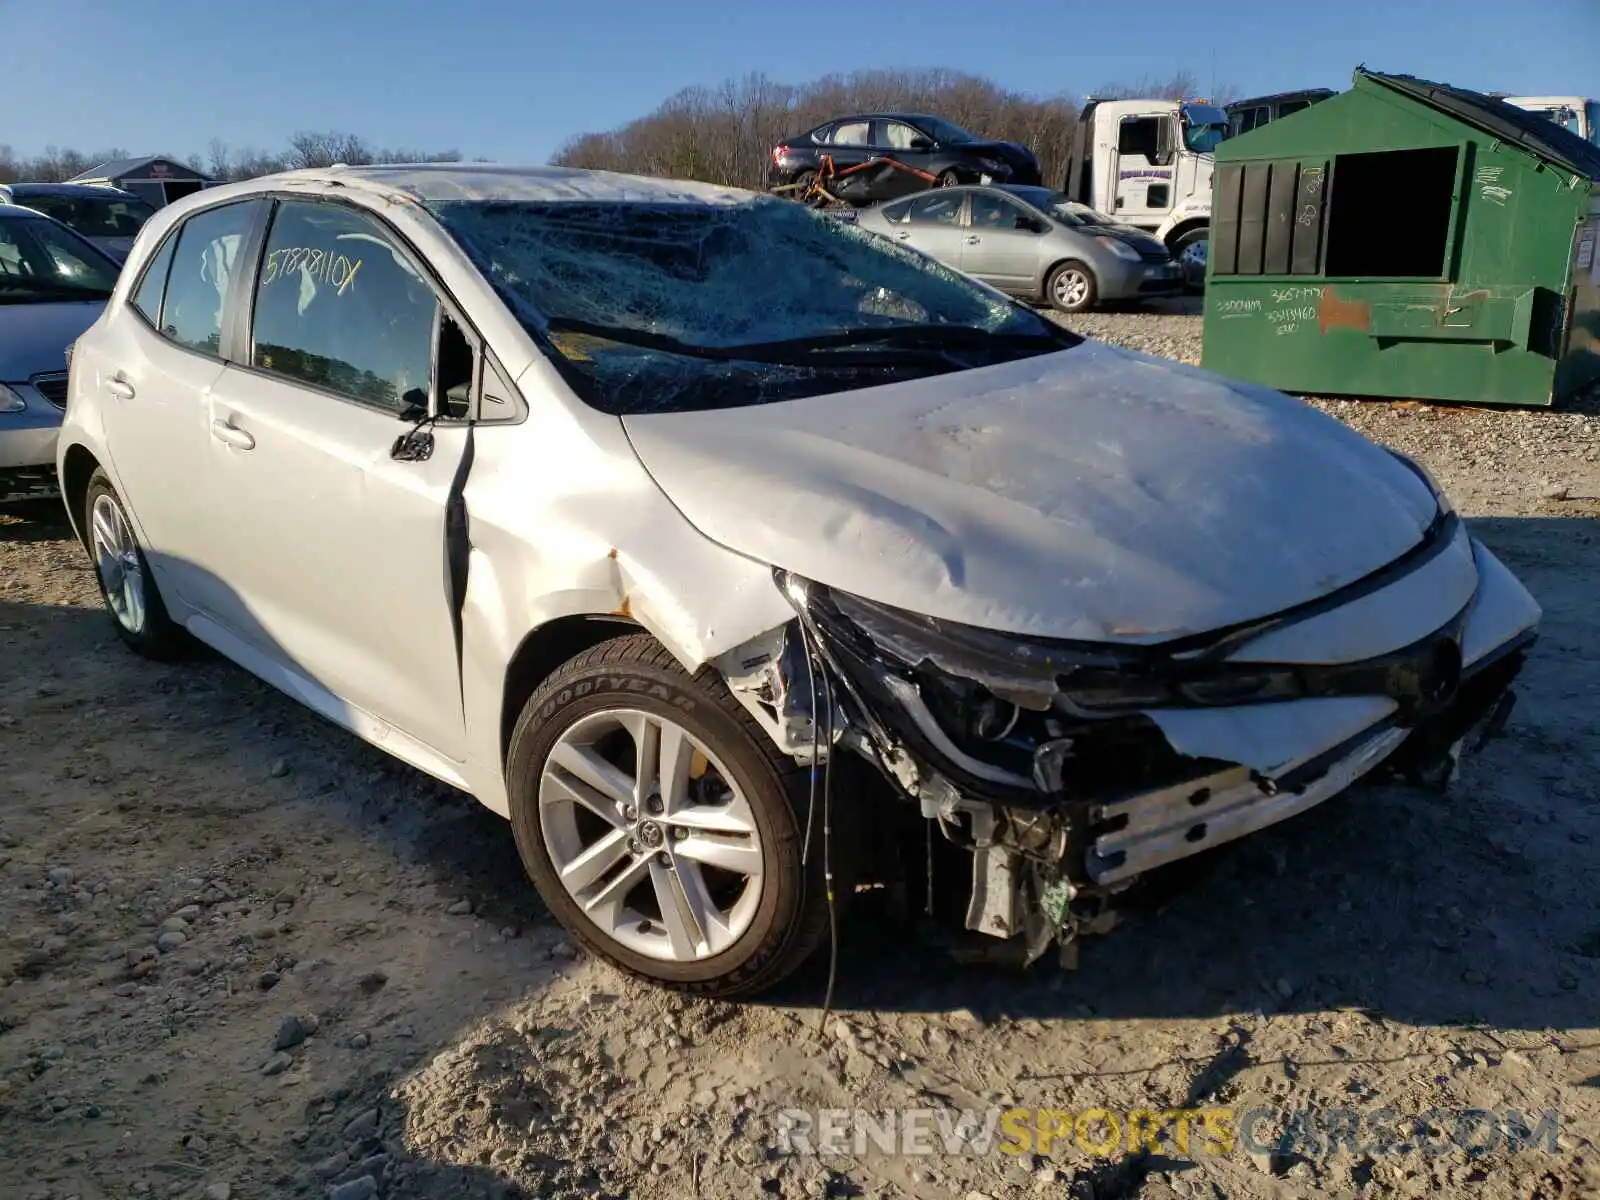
[1366,233]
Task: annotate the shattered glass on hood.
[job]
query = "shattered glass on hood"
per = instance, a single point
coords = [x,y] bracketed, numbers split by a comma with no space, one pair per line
[699,282]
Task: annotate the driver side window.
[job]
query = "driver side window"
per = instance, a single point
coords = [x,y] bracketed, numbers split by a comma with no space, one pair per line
[340,307]
[941,206]
[1141,137]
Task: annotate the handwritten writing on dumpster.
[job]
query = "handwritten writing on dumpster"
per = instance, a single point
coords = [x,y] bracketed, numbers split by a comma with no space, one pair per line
[1489,186]
[1289,307]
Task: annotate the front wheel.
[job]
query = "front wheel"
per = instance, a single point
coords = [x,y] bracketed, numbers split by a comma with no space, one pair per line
[1071,287]
[123,573]
[661,826]
[1190,253]
[948,178]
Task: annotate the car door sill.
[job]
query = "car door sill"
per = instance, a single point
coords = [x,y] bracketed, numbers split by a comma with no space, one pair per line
[312,694]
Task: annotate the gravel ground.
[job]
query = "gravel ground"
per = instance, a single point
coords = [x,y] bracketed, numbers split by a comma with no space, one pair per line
[246,956]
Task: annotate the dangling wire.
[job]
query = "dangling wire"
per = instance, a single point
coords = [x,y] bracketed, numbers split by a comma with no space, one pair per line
[811,801]
[827,857]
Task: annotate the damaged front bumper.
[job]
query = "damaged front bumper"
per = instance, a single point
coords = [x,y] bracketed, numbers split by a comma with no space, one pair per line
[1070,770]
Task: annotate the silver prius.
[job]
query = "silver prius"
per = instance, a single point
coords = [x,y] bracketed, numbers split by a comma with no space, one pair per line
[620,503]
[1031,242]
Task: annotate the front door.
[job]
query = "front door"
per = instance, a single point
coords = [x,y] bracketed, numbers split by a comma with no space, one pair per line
[158,373]
[1143,191]
[337,543]
[1001,246]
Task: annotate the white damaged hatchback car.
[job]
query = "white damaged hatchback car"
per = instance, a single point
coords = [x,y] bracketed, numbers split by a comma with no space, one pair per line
[742,558]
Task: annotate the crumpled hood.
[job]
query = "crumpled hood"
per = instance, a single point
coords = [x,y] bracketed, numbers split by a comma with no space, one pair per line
[34,337]
[1093,493]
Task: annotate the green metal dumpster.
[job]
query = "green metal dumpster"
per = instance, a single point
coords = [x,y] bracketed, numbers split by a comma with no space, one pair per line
[1409,239]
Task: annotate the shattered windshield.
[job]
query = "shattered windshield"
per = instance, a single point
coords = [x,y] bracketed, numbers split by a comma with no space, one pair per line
[672,306]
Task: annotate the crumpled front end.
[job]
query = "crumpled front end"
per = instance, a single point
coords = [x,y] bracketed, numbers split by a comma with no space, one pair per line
[1071,769]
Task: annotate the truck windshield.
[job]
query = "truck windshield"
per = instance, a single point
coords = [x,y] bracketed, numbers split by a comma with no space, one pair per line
[668,307]
[1564,115]
[1204,127]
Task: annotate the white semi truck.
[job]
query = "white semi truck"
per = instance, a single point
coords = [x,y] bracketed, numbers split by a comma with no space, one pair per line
[1148,163]
[1579,114]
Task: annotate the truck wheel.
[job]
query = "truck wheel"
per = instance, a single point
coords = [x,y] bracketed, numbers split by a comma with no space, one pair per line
[1071,287]
[1190,253]
[662,827]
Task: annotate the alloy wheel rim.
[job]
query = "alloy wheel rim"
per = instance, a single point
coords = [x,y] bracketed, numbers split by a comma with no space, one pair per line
[116,556]
[1071,288]
[651,836]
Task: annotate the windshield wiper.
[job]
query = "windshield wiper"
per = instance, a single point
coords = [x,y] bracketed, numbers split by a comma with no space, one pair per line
[50,287]
[874,344]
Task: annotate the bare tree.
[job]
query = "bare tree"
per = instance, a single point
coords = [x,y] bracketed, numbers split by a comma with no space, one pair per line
[725,135]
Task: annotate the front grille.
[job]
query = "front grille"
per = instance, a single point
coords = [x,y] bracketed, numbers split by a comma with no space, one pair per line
[52,387]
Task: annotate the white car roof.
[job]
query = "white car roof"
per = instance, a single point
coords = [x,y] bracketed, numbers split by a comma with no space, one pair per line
[485,181]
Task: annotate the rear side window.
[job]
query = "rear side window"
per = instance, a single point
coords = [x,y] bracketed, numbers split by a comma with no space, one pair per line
[203,264]
[147,299]
[896,211]
[338,306]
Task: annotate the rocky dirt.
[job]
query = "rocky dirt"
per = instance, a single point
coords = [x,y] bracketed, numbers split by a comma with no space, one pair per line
[246,956]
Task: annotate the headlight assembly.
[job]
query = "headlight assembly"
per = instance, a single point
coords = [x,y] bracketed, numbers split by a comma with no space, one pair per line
[1119,247]
[1426,476]
[10,402]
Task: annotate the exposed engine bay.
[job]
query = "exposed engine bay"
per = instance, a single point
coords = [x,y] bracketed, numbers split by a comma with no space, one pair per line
[1043,758]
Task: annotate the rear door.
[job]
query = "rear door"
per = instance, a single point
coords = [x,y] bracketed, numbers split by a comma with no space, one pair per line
[337,518]
[932,224]
[1001,246]
[157,368]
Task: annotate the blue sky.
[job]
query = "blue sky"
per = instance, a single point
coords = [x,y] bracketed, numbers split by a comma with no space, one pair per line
[511,79]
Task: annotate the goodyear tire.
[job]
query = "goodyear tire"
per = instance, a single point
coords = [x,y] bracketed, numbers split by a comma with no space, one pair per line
[661,825]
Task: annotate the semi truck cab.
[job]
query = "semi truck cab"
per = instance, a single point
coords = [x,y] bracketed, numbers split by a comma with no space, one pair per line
[1148,163]
[1577,114]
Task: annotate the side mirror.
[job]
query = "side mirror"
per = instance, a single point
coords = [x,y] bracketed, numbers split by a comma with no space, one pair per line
[1166,141]
[1029,224]
[920,143]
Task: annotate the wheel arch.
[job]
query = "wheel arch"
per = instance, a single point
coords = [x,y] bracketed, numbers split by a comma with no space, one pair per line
[1184,228]
[78,466]
[543,650]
